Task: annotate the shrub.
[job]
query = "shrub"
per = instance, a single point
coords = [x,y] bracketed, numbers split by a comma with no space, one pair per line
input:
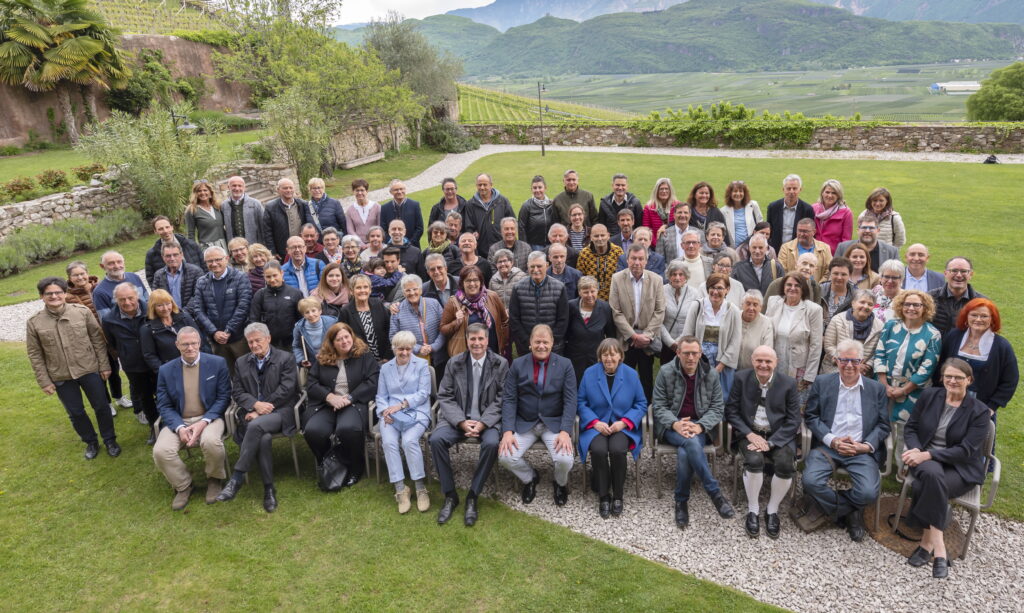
[9,150]
[260,153]
[85,173]
[214,38]
[19,185]
[231,122]
[53,179]
[447,136]
[36,144]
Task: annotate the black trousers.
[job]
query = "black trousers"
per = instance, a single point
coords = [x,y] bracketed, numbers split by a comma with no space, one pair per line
[348,425]
[934,484]
[70,394]
[256,444]
[605,452]
[441,441]
[644,365]
[114,380]
[782,459]
[142,387]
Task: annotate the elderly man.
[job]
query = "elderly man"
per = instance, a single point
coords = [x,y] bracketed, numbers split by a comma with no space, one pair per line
[764,412]
[265,388]
[276,305]
[783,214]
[638,308]
[670,245]
[848,417]
[806,243]
[484,212]
[121,326]
[311,239]
[655,262]
[758,272]
[687,406]
[220,305]
[103,294]
[956,292]
[440,285]
[539,401]
[559,234]
[410,253]
[243,214]
[563,272]
[178,278]
[538,299]
[805,265]
[573,194]
[619,200]
[520,249]
[698,267]
[625,223]
[868,236]
[324,212]
[469,407]
[599,259]
[192,394]
[453,223]
[68,355]
[301,272]
[190,250]
[283,217]
[406,209]
[917,274]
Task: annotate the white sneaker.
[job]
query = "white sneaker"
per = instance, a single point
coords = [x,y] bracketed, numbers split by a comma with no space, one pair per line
[125,402]
[113,409]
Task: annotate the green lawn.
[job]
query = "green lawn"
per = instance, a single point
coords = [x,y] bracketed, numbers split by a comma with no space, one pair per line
[403,165]
[100,535]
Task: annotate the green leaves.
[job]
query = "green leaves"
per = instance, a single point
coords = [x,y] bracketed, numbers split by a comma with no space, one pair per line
[1001,97]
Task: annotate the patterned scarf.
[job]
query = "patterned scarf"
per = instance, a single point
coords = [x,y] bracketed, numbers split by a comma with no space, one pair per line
[431,248]
[477,305]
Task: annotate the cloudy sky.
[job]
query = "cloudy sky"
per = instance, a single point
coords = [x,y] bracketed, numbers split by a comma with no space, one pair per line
[357,11]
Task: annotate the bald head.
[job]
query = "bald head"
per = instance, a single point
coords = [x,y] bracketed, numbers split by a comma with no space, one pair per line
[764,360]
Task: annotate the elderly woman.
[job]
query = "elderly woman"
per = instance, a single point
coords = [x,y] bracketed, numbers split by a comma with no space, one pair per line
[341,384]
[716,244]
[798,325]
[506,276]
[763,228]
[716,322]
[833,220]
[590,322]
[536,215]
[678,296]
[890,225]
[611,405]
[238,253]
[204,219]
[437,242]
[861,274]
[837,291]
[944,441]
[659,211]
[857,323]
[472,303]
[80,286]
[363,214]
[891,274]
[908,351]
[158,335]
[368,318]
[308,334]
[757,328]
[579,233]
[332,290]
[740,212]
[403,407]
[422,317]
[258,258]
[374,244]
[351,263]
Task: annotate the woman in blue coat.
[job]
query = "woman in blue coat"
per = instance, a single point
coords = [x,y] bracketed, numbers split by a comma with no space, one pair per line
[611,405]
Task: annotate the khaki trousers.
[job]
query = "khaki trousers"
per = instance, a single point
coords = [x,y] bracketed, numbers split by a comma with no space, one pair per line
[211,442]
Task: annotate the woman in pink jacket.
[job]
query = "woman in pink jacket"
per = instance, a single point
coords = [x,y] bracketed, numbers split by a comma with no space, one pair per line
[832,217]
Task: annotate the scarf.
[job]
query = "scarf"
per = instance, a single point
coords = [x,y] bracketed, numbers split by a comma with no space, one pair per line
[431,248]
[829,212]
[663,214]
[546,202]
[326,295]
[861,329]
[477,305]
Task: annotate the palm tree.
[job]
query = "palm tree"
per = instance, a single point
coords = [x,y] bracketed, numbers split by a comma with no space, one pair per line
[58,45]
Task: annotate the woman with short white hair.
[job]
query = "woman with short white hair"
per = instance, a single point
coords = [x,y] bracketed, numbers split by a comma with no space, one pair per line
[757,328]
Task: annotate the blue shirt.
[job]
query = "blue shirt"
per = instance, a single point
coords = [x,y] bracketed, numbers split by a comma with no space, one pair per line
[739,225]
[174,285]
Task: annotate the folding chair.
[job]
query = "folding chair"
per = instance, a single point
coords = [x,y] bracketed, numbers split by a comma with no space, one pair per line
[374,433]
[659,449]
[229,418]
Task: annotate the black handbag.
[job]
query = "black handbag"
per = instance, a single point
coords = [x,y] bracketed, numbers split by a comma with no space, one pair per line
[332,471]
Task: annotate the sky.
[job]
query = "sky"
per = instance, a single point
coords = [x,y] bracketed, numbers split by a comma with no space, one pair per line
[358,11]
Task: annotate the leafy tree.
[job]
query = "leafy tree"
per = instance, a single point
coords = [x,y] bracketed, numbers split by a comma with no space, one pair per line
[1001,97]
[59,44]
[302,130]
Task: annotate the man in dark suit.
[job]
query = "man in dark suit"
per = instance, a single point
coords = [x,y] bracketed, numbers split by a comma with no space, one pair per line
[283,217]
[190,251]
[785,212]
[764,412]
[265,388]
[848,417]
[192,394]
[469,407]
[406,209]
[539,401]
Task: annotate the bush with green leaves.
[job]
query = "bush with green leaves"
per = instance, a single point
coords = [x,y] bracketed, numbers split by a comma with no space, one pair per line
[446,135]
[302,130]
[230,122]
[85,172]
[53,179]
[8,150]
[151,81]
[214,38]
[18,186]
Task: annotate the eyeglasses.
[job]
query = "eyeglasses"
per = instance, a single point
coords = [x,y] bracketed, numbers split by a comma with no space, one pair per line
[978,316]
[891,277]
[214,260]
[724,266]
[52,294]
[868,228]
[849,361]
[913,305]
[958,271]
[954,378]
[691,242]
[189,343]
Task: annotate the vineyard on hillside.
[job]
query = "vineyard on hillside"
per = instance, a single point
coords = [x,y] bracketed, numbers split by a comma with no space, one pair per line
[154,17]
[481,105]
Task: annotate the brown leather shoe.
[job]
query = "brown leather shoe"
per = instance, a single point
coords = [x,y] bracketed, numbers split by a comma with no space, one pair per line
[213,488]
[181,498]
[813,519]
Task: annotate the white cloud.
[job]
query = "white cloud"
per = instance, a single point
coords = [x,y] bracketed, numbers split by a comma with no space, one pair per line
[364,10]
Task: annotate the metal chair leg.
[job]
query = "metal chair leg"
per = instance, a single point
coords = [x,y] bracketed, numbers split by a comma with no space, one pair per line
[970,532]
[295,457]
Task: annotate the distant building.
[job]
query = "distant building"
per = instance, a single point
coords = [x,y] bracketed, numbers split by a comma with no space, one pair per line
[954,88]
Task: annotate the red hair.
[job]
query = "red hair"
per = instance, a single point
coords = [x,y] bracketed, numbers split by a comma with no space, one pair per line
[961,319]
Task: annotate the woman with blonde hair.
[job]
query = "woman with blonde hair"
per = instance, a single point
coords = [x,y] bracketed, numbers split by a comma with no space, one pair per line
[258,258]
[659,211]
[832,218]
[204,219]
[908,351]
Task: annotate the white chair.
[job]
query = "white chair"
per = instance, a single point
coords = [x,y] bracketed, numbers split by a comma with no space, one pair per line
[229,419]
[660,450]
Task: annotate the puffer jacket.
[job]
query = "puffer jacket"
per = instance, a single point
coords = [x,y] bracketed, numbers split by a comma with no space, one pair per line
[527,309]
[237,297]
[190,274]
[191,252]
[278,308]
[670,388]
[66,346]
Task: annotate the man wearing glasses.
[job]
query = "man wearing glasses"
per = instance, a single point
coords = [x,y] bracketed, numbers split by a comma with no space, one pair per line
[952,296]
[698,267]
[220,306]
[868,236]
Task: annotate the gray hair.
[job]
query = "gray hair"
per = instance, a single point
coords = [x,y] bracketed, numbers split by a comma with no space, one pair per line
[556,225]
[433,257]
[558,246]
[587,281]
[862,293]
[212,249]
[395,182]
[351,239]
[375,229]
[284,180]
[675,266]
[892,266]
[171,244]
[185,331]
[508,219]
[850,344]
[453,215]
[411,279]
[437,226]
[330,230]
[689,232]
[721,256]
[503,253]
[256,328]
[476,329]
[536,255]
[637,248]
[74,265]
[307,226]
[617,176]
[753,294]
[484,174]
[570,172]
[793,177]
[715,225]
[403,338]
[643,230]
[125,285]
[759,238]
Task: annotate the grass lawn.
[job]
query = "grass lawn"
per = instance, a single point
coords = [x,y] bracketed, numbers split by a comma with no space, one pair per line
[100,535]
[404,165]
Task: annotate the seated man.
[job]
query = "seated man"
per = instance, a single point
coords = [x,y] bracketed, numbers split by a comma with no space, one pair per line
[539,401]
[764,412]
[265,388]
[848,417]
[192,394]
[687,405]
[469,406]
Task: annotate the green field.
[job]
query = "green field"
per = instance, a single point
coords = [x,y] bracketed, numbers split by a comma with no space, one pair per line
[883,93]
[477,104]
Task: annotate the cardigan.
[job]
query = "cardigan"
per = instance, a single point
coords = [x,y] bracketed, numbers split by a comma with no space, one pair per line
[356,225]
[995,379]
[407,319]
[728,334]
[751,214]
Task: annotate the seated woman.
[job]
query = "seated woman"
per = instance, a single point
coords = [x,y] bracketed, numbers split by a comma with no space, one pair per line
[590,322]
[342,382]
[908,351]
[308,333]
[611,405]
[332,291]
[857,323]
[403,406]
[368,318]
[422,317]
[472,303]
[943,441]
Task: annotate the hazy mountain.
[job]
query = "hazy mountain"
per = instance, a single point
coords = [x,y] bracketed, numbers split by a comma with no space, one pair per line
[971,11]
[459,35]
[505,14]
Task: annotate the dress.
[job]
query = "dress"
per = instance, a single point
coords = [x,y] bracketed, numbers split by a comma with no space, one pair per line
[905,355]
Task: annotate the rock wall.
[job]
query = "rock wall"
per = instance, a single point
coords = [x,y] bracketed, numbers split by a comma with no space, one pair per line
[357,142]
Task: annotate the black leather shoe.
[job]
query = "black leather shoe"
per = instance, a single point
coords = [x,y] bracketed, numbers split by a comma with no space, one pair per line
[772,527]
[351,479]
[530,489]
[269,499]
[113,449]
[229,491]
[682,515]
[616,507]
[91,451]
[940,568]
[752,525]
[604,508]
[855,525]
[561,494]
[724,508]
[919,558]
[152,437]
[447,509]
[471,514]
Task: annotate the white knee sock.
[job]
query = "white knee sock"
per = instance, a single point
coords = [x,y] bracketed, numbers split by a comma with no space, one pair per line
[752,485]
[779,489]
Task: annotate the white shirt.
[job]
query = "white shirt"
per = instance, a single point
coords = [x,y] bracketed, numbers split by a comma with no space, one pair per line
[695,267]
[638,288]
[761,415]
[849,419]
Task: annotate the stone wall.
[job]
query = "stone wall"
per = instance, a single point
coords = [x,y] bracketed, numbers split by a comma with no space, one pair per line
[357,142]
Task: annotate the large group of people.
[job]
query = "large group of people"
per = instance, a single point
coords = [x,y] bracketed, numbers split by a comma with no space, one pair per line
[567,324]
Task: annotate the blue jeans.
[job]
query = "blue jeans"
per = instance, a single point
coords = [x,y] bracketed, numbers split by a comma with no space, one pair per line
[864,477]
[690,458]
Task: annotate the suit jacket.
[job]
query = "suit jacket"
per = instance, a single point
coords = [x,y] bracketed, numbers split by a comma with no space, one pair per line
[252,218]
[821,411]
[804,336]
[803,209]
[410,213]
[886,251]
[669,246]
[381,317]
[782,404]
[279,385]
[453,395]
[362,373]
[652,310]
[214,389]
[935,280]
[625,402]
[965,434]
[523,404]
[275,225]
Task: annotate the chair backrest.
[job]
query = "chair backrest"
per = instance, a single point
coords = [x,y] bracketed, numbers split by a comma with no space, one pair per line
[990,440]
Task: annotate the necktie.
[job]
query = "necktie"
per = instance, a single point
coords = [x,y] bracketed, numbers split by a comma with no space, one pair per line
[540,375]
[474,405]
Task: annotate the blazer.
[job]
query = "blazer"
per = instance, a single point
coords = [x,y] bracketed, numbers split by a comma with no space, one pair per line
[523,404]
[362,373]
[652,309]
[803,210]
[381,317]
[655,263]
[275,225]
[995,380]
[670,247]
[414,386]
[278,385]
[300,336]
[935,280]
[455,332]
[158,340]
[822,252]
[453,394]
[821,411]
[214,390]
[409,212]
[782,405]
[728,336]
[886,251]
[583,337]
[965,434]
[625,402]
[804,337]
[252,219]
[751,214]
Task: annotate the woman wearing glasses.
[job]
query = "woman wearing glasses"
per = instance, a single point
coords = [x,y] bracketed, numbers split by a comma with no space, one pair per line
[798,331]
[717,323]
[907,353]
[204,219]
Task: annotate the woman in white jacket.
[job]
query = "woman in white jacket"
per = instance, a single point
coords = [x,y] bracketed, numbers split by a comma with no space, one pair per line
[740,212]
[716,322]
[678,296]
[798,331]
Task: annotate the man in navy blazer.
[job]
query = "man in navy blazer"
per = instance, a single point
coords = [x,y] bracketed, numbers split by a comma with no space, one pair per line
[783,214]
[847,415]
[406,209]
[539,401]
[918,276]
[192,394]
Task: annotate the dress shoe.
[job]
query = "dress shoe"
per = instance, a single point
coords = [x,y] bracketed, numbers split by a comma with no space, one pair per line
[471,512]
[813,519]
[269,498]
[604,508]
[447,509]
[561,494]
[91,451]
[351,479]
[181,498]
[113,449]
[530,489]
[682,515]
[724,508]
[230,490]
[752,525]
[213,489]
[422,500]
[919,558]
[152,437]
[855,525]
[772,527]
[940,568]
[617,507]
[403,501]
